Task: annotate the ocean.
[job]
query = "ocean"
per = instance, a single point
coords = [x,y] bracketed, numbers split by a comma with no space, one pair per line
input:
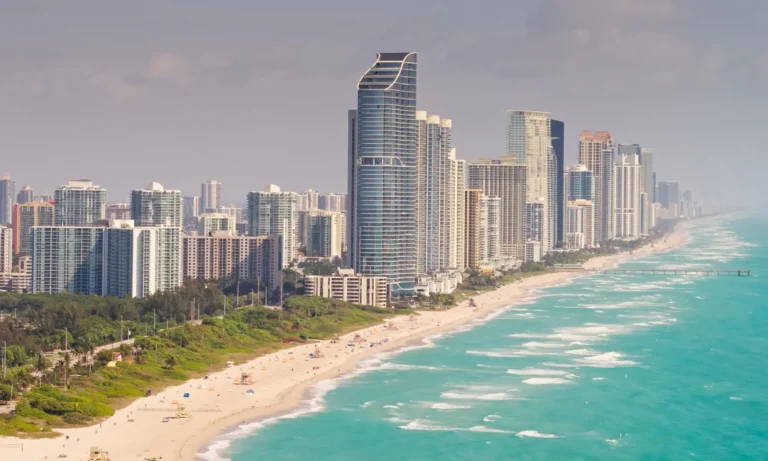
[606,367]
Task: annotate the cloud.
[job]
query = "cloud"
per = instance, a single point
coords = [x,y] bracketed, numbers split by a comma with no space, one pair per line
[167,67]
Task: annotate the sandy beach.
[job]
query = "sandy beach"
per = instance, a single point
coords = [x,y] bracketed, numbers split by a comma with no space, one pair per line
[281,380]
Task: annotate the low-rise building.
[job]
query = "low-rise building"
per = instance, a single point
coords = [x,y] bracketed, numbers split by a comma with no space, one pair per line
[439,283]
[348,286]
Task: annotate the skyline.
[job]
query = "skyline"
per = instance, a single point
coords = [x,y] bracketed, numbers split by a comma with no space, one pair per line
[213,99]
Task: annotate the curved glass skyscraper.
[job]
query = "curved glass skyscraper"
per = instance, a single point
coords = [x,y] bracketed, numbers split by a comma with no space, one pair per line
[383,172]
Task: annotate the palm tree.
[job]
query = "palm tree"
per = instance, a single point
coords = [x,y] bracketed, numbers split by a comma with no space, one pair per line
[170,361]
[41,365]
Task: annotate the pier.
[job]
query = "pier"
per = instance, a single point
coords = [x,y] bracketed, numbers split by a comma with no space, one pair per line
[696,272]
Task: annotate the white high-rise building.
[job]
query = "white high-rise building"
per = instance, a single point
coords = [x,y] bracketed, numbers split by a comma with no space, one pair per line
[308,200]
[210,196]
[157,206]
[504,178]
[215,224]
[322,232]
[458,224]
[272,212]
[579,224]
[605,229]
[592,151]
[140,261]
[490,229]
[79,203]
[332,202]
[552,177]
[529,140]
[627,197]
[6,249]
[119,260]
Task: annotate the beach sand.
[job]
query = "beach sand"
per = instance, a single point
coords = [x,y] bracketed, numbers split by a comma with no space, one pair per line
[281,380]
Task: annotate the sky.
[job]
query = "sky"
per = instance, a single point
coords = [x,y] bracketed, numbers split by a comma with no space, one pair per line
[253,92]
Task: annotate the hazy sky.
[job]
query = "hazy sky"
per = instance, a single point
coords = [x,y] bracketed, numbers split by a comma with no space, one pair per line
[255,92]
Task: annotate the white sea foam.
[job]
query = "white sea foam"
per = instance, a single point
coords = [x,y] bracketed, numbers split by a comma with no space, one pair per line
[735,398]
[582,352]
[514,353]
[536,434]
[538,345]
[424,425]
[607,360]
[471,396]
[367,404]
[546,381]
[598,378]
[536,372]
[488,430]
[391,407]
[491,418]
[406,367]
[444,406]
[613,442]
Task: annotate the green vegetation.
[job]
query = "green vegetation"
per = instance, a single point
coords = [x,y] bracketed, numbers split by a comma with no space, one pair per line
[310,267]
[95,386]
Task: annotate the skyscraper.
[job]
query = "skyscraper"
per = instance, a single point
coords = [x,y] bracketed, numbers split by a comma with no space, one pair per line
[26,195]
[26,216]
[472,227]
[593,149]
[67,259]
[558,146]
[7,199]
[580,182]
[627,196]
[308,200]
[605,198]
[156,206]
[647,188]
[140,261]
[554,180]
[272,212]
[191,206]
[490,230]
[322,232]
[332,202]
[383,184]
[6,255]
[669,197]
[504,178]
[440,188]
[216,224]
[579,225]
[529,140]
[210,196]
[79,203]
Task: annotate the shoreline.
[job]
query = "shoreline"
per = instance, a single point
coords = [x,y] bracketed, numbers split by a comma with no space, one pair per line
[284,381]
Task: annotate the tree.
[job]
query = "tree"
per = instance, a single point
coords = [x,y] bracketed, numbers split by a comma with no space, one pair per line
[170,361]
[41,366]
[5,393]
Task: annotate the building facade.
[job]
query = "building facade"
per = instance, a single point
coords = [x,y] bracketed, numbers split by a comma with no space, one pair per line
[332,202]
[7,199]
[119,211]
[558,148]
[308,200]
[79,203]
[604,207]
[383,183]
[647,188]
[504,178]
[579,224]
[593,148]
[26,216]
[140,261]
[6,249]
[26,195]
[191,207]
[627,197]
[472,227]
[490,230]
[529,140]
[156,206]
[67,259]
[275,213]
[322,233]
[210,196]
[350,287]
[255,259]
[215,223]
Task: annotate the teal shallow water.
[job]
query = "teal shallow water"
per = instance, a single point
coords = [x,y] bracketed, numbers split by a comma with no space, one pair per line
[604,368]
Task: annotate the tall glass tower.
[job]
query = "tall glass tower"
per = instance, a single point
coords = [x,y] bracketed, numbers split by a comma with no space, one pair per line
[383,180]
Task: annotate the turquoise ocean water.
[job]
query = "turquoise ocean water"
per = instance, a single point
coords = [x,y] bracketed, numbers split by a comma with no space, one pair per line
[603,368]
